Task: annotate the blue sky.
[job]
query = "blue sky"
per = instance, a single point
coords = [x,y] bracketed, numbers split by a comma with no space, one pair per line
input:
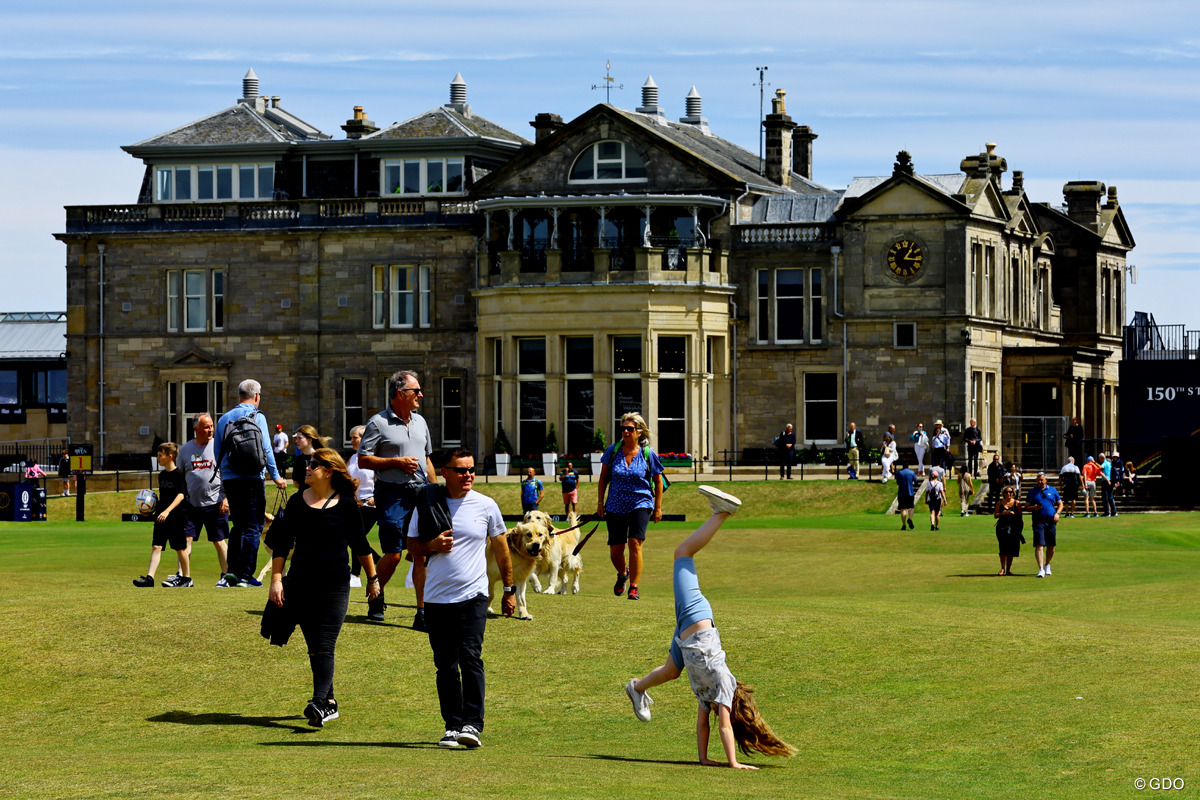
[1069,90]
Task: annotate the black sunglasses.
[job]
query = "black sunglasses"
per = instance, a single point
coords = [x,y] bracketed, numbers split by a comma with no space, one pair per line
[628,429]
[463,470]
[414,391]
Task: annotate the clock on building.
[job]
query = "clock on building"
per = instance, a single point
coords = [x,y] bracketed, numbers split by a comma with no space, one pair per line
[905,258]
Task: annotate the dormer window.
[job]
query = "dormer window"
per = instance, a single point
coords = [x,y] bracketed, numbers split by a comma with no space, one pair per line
[609,162]
[423,176]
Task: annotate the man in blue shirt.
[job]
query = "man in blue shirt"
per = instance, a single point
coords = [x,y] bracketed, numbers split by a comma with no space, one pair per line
[906,493]
[1045,504]
[247,498]
[531,492]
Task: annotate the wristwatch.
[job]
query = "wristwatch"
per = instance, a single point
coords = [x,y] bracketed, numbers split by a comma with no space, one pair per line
[510,589]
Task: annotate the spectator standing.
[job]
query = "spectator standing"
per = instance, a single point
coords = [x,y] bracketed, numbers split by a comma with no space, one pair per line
[935,496]
[307,441]
[1090,470]
[1104,482]
[787,451]
[397,447]
[570,489]
[280,445]
[33,471]
[634,473]
[995,479]
[1069,477]
[966,490]
[64,473]
[1118,472]
[321,523]
[941,445]
[906,494]
[1074,440]
[243,485]
[853,442]
[888,455]
[973,439]
[920,440]
[1013,479]
[1009,525]
[1046,505]
[209,508]
[1128,479]
[169,524]
[364,496]
[532,491]
[456,594]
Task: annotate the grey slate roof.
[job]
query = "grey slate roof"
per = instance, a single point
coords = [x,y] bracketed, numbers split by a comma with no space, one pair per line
[26,336]
[445,122]
[775,209]
[239,124]
[947,184]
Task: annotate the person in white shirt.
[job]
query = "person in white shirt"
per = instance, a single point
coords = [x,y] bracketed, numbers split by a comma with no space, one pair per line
[889,454]
[279,445]
[456,595]
[920,440]
[365,497]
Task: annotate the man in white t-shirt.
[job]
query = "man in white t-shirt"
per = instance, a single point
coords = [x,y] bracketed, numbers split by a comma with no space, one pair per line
[456,601]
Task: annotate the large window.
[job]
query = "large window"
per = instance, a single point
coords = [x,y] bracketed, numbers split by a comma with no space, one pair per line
[401,296]
[197,298]
[188,399]
[581,404]
[423,176]
[783,298]
[206,182]
[671,436]
[821,407]
[531,394]
[608,162]
[451,412]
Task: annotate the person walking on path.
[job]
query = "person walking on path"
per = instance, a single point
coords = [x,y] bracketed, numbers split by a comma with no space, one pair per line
[966,490]
[397,447]
[1069,478]
[995,479]
[169,524]
[696,646]
[888,455]
[786,443]
[634,474]
[241,467]
[854,441]
[322,521]
[279,444]
[307,441]
[1009,524]
[906,493]
[1104,482]
[569,481]
[364,496]
[1046,505]
[920,440]
[64,473]
[941,445]
[532,492]
[456,596]
[1090,471]
[973,439]
[935,497]
[209,511]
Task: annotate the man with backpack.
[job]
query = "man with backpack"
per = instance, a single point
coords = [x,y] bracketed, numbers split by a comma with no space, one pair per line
[242,449]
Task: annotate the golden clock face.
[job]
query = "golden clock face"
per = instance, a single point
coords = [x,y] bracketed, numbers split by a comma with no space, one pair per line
[905,259]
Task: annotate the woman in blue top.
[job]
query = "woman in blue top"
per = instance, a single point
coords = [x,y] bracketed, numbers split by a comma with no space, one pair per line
[634,473]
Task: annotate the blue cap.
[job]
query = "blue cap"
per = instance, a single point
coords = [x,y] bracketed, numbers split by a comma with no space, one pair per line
[1089,458]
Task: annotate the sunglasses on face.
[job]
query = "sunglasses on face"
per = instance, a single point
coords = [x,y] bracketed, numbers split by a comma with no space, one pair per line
[413,391]
[315,465]
[462,470]
[628,429]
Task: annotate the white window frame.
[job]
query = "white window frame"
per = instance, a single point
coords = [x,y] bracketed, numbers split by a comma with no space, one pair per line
[593,152]
[896,335]
[836,401]
[188,327]
[422,175]
[387,296]
[769,305]
[193,171]
[173,301]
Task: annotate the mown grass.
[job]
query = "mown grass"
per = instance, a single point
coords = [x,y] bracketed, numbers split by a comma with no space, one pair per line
[896,662]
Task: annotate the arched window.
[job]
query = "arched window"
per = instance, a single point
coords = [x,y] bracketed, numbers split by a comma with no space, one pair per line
[608,162]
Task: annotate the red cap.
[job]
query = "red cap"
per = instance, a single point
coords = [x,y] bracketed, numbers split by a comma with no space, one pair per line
[278,427]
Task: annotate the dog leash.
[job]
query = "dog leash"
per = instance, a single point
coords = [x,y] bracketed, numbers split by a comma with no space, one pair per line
[585,521]
[584,540]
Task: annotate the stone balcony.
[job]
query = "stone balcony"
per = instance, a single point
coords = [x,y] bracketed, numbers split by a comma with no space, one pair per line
[269,214]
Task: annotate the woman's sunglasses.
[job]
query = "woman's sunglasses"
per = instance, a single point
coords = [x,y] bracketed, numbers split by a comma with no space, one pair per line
[629,429]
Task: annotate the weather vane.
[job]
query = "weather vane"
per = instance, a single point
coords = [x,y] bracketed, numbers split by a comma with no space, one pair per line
[762,74]
[608,83]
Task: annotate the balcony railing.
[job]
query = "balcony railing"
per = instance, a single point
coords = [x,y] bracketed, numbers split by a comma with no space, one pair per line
[155,217]
[620,254]
[533,255]
[577,255]
[1156,342]
[674,255]
[785,234]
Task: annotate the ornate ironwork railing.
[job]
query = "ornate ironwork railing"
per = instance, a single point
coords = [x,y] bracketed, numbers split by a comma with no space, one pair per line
[674,255]
[620,254]
[577,255]
[533,255]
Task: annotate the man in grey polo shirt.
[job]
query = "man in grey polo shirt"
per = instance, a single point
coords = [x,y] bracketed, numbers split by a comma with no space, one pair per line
[396,445]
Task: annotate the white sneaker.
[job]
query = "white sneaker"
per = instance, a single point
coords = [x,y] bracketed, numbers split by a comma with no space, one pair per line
[355,582]
[720,502]
[449,740]
[1042,573]
[641,701]
[1048,570]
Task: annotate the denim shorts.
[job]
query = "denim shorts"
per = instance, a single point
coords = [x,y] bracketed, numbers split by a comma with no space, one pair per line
[690,604]
[395,504]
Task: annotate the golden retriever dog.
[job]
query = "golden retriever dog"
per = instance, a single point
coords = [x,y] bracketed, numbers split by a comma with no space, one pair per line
[526,543]
[558,561]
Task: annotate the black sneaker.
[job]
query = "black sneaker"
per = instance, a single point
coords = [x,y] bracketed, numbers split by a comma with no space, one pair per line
[910,525]
[469,737]
[314,714]
[619,586]
[144,581]
[375,608]
[449,739]
[178,582]
[419,621]
[331,711]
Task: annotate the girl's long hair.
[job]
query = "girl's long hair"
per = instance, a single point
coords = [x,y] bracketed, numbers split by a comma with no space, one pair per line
[318,441]
[339,478]
[749,728]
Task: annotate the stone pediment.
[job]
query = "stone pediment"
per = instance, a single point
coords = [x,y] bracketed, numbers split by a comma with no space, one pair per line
[1020,217]
[903,195]
[1114,230]
[193,362]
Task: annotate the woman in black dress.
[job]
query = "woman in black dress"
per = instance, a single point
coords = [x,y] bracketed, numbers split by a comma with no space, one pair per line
[321,523]
[1009,524]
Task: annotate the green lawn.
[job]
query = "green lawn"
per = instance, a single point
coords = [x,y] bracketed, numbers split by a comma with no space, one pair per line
[896,662]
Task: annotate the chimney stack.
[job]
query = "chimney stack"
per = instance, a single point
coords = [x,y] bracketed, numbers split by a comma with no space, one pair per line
[458,96]
[1112,198]
[802,151]
[1083,202]
[694,112]
[359,126]
[544,125]
[1018,186]
[779,126]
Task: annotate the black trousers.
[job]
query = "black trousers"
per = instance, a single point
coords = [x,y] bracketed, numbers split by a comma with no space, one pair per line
[320,613]
[456,638]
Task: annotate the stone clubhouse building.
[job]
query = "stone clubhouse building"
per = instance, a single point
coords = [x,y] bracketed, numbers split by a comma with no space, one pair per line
[622,261]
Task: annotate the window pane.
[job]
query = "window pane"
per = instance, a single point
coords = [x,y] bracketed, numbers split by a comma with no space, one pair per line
[764,305]
[818,311]
[580,399]
[672,354]
[224,183]
[579,355]
[670,436]
[820,421]
[412,177]
[266,181]
[380,307]
[608,170]
[193,282]
[354,393]
[627,397]
[9,388]
[183,183]
[246,182]
[56,391]
[204,183]
[434,176]
[821,386]
[531,356]
[164,184]
[634,168]
[583,169]
[451,410]
[195,398]
[532,408]
[790,319]
[608,150]
[671,403]
[579,436]
[454,175]
[627,354]
[195,313]
[391,179]
[218,299]
[172,301]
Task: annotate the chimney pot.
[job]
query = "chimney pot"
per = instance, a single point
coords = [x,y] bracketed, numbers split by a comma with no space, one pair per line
[545,124]
[991,148]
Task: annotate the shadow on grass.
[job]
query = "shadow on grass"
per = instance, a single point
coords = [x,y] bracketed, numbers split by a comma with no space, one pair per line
[402,745]
[221,718]
[353,619]
[989,575]
[627,759]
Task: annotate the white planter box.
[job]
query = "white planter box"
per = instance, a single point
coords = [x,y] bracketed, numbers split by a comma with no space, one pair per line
[503,460]
[596,465]
[550,464]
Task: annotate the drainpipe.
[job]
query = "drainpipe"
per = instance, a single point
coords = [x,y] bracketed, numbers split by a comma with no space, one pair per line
[100,386]
[836,250]
[733,350]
